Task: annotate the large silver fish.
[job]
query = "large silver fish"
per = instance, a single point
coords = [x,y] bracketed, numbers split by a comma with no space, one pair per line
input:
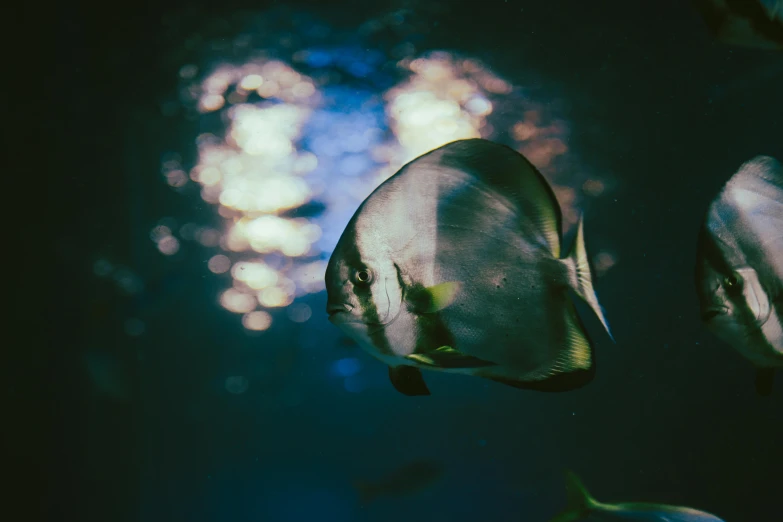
[453,264]
[582,507]
[739,270]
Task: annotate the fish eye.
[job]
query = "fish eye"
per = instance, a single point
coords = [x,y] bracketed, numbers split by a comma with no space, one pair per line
[363,276]
[732,282]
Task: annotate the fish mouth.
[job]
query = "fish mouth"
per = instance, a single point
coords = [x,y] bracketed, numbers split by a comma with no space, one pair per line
[336,308]
[712,313]
[341,314]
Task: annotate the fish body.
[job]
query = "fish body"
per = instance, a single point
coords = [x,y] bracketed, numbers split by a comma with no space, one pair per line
[582,507]
[747,23]
[453,264]
[739,270]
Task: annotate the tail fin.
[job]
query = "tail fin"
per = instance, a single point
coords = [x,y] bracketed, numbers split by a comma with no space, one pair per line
[580,502]
[584,277]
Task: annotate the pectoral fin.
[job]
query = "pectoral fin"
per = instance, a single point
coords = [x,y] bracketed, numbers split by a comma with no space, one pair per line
[434,298]
[765,380]
[408,381]
[448,357]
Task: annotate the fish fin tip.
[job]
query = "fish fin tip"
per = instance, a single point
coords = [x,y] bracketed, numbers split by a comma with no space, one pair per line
[578,354]
[579,502]
[584,277]
[765,381]
[408,381]
[579,498]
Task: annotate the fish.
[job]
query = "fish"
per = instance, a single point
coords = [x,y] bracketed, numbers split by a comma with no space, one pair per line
[739,267]
[583,507]
[453,264]
[407,479]
[746,23]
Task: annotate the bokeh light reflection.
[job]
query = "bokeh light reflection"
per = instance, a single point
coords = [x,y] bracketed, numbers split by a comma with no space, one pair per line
[299,133]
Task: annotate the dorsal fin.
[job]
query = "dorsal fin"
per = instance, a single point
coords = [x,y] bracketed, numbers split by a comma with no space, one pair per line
[511,174]
[766,168]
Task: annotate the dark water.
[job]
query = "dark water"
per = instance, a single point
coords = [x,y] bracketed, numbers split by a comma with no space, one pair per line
[165,407]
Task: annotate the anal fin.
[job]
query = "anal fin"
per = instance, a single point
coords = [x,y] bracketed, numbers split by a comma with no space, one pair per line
[572,369]
[557,384]
[408,381]
[448,357]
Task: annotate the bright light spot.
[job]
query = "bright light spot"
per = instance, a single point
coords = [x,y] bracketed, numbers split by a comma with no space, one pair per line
[602,262]
[271,233]
[299,312]
[168,245]
[237,384]
[258,320]
[479,106]
[219,264]
[274,297]
[303,90]
[256,275]
[524,130]
[210,176]
[251,82]
[211,102]
[346,367]
[235,301]
[593,187]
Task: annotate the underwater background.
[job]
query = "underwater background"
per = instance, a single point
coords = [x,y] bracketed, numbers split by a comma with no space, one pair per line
[209,157]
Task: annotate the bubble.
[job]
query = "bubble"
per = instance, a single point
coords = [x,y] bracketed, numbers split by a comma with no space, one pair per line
[237,384]
[134,327]
[602,262]
[346,367]
[188,231]
[159,232]
[102,268]
[593,187]
[168,245]
[187,72]
[176,178]
[258,320]
[209,237]
[219,264]
[127,281]
[235,301]
[299,312]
